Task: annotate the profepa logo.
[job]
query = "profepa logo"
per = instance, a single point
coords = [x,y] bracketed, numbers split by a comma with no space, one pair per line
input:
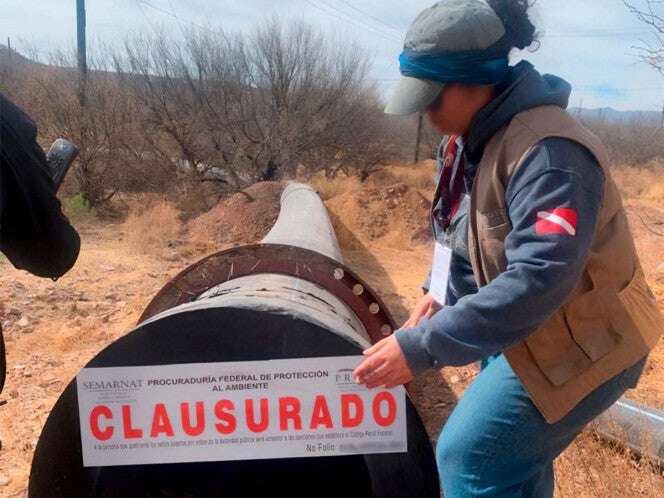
[345,380]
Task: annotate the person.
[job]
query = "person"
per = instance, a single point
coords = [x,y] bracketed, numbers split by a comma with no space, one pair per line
[34,233]
[545,287]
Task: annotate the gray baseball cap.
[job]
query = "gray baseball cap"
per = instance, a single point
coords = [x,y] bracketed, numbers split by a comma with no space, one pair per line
[448,26]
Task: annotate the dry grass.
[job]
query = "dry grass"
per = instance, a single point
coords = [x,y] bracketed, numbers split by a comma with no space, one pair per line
[643,183]
[592,468]
[328,188]
[420,176]
[155,230]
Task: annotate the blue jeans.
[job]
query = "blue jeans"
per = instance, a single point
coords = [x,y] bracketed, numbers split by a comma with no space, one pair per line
[496,443]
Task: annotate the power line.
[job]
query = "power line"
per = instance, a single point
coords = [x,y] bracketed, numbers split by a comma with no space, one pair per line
[573,33]
[621,89]
[577,36]
[596,33]
[379,21]
[602,31]
[387,31]
[147,19]
[172,14]
[179,22]
[343,16]
[355,23]
[375,28]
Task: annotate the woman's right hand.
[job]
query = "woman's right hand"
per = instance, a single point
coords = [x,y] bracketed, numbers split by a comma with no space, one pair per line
[426,306]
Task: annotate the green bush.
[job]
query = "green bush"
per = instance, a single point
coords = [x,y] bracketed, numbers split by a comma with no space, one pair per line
[77,207]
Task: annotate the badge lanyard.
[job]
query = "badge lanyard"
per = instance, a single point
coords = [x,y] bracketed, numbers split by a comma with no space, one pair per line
[450,192]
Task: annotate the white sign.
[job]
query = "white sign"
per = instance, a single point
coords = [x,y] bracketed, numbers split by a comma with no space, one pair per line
[235,411]
[440,272]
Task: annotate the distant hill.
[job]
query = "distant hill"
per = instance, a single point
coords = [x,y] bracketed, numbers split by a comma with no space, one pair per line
[606,114]
[610,115]
[15,57]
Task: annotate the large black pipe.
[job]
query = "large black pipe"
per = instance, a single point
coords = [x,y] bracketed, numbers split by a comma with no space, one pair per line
[290,297]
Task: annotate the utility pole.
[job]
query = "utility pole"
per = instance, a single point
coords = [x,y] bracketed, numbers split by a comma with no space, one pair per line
[82,54]
[7,67]
[418,138]
[80,37]
[662,123]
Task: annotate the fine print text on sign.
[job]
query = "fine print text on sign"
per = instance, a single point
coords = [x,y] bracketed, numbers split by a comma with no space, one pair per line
[235,411]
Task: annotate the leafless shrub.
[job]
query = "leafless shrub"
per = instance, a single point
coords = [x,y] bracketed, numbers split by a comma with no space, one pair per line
[631,142]
[213,113]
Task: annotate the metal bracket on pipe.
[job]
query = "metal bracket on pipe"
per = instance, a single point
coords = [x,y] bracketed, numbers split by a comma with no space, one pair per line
[277,259]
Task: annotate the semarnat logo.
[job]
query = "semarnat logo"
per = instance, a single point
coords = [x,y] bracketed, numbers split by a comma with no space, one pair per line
[111,385]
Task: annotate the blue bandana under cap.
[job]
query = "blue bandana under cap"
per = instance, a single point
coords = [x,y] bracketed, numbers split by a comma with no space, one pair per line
[473,67]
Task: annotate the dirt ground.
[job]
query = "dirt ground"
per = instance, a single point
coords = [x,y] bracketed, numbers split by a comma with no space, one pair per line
[52,329]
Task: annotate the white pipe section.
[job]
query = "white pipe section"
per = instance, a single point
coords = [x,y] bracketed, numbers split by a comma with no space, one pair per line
[303,222]
[638,427]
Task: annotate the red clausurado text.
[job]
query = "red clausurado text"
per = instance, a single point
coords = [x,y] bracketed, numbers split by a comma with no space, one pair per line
[227,416]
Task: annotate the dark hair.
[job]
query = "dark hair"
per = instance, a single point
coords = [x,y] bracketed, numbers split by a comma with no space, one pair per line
[519,30]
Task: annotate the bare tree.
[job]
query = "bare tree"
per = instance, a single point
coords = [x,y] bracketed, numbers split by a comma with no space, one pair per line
[314,98]
[651,13]
[96,125]
[240,109]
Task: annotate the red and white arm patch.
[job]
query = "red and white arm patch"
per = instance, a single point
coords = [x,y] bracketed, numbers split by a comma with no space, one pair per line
[559,220]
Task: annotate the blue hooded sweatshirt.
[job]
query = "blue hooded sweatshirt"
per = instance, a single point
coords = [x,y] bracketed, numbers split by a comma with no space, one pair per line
[542,269]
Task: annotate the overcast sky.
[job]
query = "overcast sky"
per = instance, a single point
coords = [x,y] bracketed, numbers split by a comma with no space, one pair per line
[588,42]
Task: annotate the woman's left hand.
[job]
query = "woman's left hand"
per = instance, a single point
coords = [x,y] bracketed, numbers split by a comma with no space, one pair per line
[384,365]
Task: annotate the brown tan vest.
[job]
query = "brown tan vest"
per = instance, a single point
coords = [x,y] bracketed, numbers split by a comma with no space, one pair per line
[610,320]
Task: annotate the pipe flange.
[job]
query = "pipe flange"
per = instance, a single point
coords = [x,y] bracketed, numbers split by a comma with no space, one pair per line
[281,259]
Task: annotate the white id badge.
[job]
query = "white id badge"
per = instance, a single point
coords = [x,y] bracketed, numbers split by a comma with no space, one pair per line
[440,272]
